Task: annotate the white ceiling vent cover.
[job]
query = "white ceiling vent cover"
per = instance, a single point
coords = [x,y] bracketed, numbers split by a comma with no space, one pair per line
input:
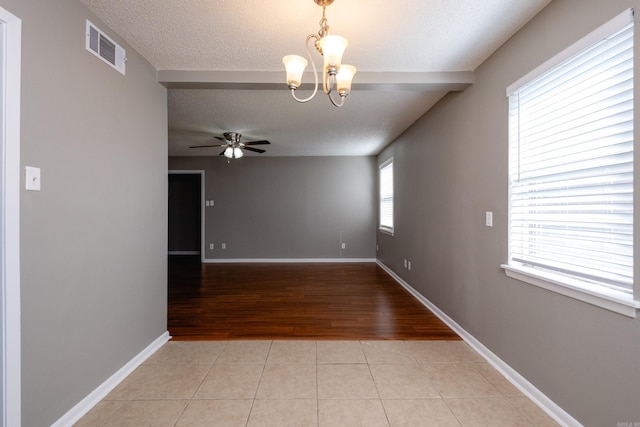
[104,48]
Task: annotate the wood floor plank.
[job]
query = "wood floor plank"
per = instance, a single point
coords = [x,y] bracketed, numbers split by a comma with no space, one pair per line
[341,301]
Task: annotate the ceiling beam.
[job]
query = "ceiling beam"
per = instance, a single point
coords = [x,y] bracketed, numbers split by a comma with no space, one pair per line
[274,80]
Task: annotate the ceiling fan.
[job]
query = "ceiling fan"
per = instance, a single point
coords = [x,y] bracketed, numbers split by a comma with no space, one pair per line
[233,146]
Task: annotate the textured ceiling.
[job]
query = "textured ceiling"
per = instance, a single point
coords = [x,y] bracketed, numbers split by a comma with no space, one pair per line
[221,60]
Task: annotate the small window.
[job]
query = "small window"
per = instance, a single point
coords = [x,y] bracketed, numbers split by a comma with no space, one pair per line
[571,164]
[386,196]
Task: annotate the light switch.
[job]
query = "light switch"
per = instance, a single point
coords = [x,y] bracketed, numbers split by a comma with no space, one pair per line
[32,179]
[488,219]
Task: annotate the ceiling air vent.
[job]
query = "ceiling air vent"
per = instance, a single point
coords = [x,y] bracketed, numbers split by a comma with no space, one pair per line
[104,48]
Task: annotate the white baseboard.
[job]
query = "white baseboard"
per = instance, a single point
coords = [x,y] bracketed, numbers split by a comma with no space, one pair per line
[92,399]
[283,260]
[521,383]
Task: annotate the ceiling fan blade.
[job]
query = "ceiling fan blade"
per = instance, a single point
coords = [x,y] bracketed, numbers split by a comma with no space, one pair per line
[206,146]
[257,150]
[223,151]
[257,142]
[220,138]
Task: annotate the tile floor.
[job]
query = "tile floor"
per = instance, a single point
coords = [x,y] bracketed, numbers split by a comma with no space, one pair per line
[315,383]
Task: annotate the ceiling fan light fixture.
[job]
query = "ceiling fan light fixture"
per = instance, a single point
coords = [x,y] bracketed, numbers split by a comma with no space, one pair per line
[233,153]
[331,47]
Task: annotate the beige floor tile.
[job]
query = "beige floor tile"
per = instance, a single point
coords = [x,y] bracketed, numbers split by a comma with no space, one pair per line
[402,382]
[497,379]
[486,411]
[459,380]
[99,414]
[288,382]
[162,382]
[129,387]
[157,413]
[535,414]
[346,382]
[261,383]
[442,351]
[218,413]
[284,413]
[230,382]
[422,412]
[352,413]
[334,352]
[162,353]
[292,352]
[244,352]
[387,352]
[196,352]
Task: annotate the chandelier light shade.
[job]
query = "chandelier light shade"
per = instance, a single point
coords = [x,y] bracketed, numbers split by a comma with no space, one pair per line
[336,77]
[344,79]
[332,48]
[295,66]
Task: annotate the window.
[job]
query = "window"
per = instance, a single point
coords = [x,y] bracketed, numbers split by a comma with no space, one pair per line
[386,196]
[571,165]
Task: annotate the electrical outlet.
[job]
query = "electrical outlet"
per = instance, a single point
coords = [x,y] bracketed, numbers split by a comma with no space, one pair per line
[210,245]
[409,265]
[405,263]
[223,246]
[344,246]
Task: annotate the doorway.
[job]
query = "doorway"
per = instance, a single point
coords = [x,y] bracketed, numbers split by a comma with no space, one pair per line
[186,213]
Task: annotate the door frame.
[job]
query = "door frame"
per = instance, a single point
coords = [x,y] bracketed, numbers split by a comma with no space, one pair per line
[202,205]
[11,27]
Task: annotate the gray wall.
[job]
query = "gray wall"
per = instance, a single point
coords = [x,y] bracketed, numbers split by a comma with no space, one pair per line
[450,167]
[288,207]
[94,240]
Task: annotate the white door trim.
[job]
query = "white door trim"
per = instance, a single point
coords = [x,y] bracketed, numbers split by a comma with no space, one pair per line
[12,27]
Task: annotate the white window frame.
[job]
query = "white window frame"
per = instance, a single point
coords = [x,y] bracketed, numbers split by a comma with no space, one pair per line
[600,296]
[385,198]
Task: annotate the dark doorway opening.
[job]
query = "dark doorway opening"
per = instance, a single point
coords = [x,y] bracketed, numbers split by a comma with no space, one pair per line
[185,214]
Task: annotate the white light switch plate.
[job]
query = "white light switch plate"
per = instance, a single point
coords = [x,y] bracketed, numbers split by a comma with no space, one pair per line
[489,219]
[32,178]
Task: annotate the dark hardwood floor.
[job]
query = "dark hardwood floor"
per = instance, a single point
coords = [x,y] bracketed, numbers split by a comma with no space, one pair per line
[294,301]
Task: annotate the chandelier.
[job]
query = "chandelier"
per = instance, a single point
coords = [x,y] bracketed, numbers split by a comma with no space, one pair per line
[336,77]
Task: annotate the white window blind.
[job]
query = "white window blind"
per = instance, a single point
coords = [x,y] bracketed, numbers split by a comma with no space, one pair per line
[386,195]
[571,165]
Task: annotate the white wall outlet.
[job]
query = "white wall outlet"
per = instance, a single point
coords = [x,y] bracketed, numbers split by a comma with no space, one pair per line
[405,263]
[223,246]
[206,203]
[409,265]
[211,203]
[210,245]
[32,178]
[488,219]
[344,246]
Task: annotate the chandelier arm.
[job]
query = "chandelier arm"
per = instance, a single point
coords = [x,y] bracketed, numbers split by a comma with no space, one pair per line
[327,87]
[342,97]
[315,73]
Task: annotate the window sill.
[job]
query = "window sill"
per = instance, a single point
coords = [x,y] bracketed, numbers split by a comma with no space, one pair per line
[388,231]
[609,299]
